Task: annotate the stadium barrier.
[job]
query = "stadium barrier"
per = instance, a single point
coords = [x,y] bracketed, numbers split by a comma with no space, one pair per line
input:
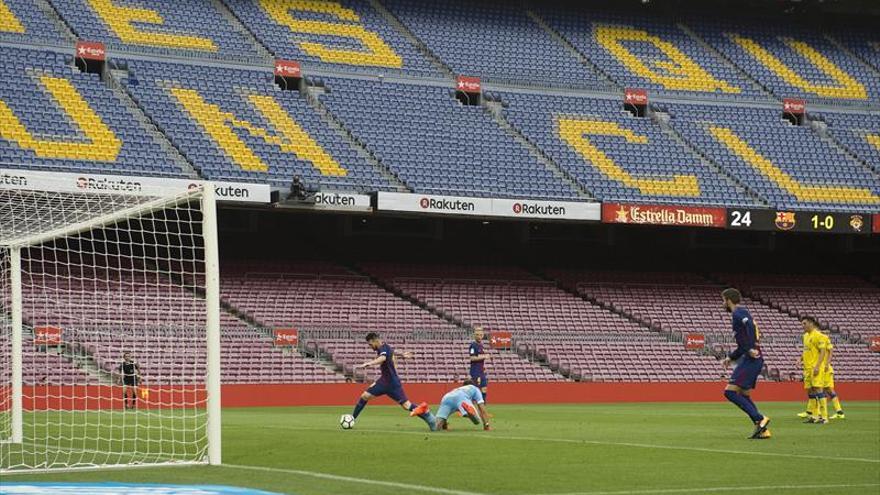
[83,397]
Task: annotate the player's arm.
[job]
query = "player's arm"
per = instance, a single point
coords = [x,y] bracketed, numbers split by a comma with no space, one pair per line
[828,357]
[823,353]
[475,358]
[373,362]
[484,414]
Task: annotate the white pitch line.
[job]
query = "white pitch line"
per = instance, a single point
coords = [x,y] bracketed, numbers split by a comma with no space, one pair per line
[720,489]
[350,479]
[491,436]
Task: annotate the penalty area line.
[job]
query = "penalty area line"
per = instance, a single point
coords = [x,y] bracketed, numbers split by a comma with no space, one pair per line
[720,489]
[351,479]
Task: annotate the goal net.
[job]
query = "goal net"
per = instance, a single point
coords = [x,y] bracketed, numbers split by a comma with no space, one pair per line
[109,338]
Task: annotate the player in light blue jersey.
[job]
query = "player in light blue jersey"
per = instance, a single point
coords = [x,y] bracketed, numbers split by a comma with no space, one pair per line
[466,399]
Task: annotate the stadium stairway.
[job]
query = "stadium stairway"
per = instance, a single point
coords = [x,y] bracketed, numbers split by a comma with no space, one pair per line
[112,79]
[421,47]
[494,108]
[662,120]
[312,93]
[605,79]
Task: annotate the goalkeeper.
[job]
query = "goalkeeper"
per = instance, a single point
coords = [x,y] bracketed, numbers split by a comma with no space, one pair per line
[130,373]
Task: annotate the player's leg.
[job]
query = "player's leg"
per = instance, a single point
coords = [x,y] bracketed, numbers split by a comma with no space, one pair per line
[443,412]
[743,379]
[134,396]
[422,411]
[811,400]
[470,412]
[832,394]
[482,383]
[835,402]
[821,399]
[375,390]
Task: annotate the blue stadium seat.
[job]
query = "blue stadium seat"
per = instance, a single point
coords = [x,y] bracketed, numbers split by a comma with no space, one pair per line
[790,166]
[346,35]
[25,21]
[167,27]
[53,138]
[437,145]
[282,156]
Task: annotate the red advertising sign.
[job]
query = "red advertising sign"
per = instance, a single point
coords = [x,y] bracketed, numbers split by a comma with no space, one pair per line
[500,340]
[876,229]
[286,337]
[875,343]
[794,106]
[91,50]
[468,84]
[287,68]
[688,216]
[635,96]
[695,341]
[47,335]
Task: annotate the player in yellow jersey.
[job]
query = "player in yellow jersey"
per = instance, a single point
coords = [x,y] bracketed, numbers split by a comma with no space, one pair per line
[814,358]
[830,393]
[811,399]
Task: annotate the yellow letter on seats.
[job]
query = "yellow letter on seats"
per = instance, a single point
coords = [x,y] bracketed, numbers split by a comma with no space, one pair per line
[682,72]
[873,140]
[574,131]
[290,137]
[818,194]
[120,20]
[378,52]
[8,22]
[103,145]
[847,86]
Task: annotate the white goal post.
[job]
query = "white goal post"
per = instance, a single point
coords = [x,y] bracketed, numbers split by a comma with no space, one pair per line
[109,324]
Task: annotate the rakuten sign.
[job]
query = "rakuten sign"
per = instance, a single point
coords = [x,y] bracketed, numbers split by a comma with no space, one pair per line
[489,207]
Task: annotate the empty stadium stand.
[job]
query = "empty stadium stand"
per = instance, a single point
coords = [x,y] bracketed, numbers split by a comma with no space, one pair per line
[618,157]
[791,166]
[503,298]
[643,51]
[165,27]
[440,146]
[637,360]
[55,118]
[349,35]
[497,42]
[320,295]
[791,60]
[242,127]
[31,21]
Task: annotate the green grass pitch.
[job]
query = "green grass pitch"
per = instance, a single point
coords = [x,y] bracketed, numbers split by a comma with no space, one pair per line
[591,449]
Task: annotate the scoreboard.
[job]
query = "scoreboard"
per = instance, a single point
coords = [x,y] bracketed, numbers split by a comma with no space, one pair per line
[799,221]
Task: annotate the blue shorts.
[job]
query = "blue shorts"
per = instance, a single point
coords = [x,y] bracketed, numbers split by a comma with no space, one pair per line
[448,405]
[745,375]
[480,381]
[394,391]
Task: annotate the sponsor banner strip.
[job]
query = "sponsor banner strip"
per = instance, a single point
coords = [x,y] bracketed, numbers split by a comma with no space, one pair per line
[488,207]
[332,200]
[28,180]
[877,223]
[685,216]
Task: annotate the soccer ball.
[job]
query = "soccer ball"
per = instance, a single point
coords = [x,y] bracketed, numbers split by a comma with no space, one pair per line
[346,421]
